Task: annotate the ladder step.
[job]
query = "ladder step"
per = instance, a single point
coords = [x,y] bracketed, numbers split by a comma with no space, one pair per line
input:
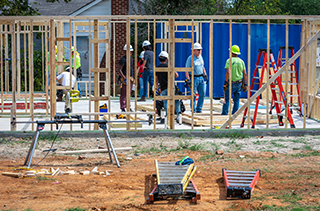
[293,95]
[241,172]
[289,83]
[280,102]
[235,184]
[253,90]
[292,107]
[242,178]
[239,181]
[275,88]
[256,77]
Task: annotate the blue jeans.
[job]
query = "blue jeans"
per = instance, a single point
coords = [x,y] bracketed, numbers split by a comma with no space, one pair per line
[141,86]
[200,86]
[78,79]
[165,102]
[236,91]
[147,77]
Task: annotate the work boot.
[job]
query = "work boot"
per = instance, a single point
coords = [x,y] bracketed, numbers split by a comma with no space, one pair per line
[143,99]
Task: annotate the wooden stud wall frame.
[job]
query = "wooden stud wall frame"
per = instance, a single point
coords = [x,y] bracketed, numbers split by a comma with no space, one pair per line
[22,30]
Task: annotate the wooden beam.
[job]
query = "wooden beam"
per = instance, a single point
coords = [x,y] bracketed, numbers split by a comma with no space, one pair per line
[96,65]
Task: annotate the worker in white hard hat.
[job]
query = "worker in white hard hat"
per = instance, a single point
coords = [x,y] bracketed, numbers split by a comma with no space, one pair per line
[162,78]
[147,74]
[200,76]
[239,80]
[123,79]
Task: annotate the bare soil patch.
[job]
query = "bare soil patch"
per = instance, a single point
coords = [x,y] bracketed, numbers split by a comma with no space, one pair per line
[290,173]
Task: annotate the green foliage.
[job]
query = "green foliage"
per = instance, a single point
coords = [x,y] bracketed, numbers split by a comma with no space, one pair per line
[177,7]
[45,178]
[17,8]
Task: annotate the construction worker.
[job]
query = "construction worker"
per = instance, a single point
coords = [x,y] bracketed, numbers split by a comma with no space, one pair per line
[147,69]
[78,66]
[65,76]
[239,78]
[200,76]
[162,78]
[123,80]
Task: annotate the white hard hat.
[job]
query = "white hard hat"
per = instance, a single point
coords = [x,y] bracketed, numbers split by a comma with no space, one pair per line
[197,46]
[146,43]
[164,54]
[142,54]
[125,47]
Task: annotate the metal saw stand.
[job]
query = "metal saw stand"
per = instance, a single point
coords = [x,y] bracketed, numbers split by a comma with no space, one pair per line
[174,181]
[60,119]
[240,184]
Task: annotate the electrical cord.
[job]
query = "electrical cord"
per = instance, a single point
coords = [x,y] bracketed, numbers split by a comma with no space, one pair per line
[50,147]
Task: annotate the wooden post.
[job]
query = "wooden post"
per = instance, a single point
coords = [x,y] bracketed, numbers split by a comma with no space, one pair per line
[286,75]
[90,72]
[192,78]
[1,67]
[171,88]
[31,73]
[154,65]
[70,59]
[14,75]
[114,59]
[96,74]
[6,63]
[25,66]
[47,66]
[230,72]
[43,59]
[211,70]
[53,96]
[18,60]
[135,68]
[108,65]
[128,67]
[267,73]
[305,75]
[249,71]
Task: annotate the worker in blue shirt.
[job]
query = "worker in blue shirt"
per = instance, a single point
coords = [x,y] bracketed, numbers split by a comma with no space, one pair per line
[200,76]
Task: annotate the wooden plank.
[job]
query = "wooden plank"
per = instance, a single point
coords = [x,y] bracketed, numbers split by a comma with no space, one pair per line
[182,40]
[10,174]
[96,65]
[124,125]
[183,69]
[98,99]
[99,70]
[97,41]
[63,39]
[62,63]
[93,151]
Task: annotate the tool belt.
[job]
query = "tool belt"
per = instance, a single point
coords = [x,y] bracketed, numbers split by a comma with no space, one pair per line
[198,75]
[237,82]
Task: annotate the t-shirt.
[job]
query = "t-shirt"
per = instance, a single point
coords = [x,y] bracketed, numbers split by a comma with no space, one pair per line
[163,77]
[123,63]
[66,79]
[148,57]
[198,64]
[140,68]
[237,68]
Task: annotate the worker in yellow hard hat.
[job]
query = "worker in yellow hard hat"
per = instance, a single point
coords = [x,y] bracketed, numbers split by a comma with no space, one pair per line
[78,66]
[238,77]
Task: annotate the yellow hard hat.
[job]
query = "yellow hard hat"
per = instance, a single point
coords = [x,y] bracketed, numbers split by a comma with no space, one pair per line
[235,49]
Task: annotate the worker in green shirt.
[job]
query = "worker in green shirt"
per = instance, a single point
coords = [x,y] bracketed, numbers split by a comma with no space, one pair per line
[238,77]
[78,66]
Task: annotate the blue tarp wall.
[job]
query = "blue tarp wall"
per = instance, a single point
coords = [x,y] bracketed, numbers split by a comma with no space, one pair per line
[221,47]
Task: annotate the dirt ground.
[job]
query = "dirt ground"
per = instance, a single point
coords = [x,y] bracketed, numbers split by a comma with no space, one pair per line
[290,177]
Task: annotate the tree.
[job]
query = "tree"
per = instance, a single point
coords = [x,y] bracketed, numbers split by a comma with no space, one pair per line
[254,7]
[300,7]
[178,7]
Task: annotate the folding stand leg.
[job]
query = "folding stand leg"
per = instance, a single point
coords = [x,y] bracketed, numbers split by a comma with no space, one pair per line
[103,126]
[33,145]
[108,146]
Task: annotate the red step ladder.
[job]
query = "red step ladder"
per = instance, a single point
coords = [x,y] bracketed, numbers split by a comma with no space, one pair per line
[240,184]
[275,87]
[293,80]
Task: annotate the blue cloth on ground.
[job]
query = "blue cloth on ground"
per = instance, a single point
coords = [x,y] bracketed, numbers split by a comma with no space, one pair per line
[187,161]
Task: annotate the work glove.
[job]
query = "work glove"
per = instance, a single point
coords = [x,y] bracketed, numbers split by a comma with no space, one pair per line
[187,83]
[244,87]
[225,86]
[206,78]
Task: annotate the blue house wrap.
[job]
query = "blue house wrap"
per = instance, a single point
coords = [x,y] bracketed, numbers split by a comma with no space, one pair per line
[221,47]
